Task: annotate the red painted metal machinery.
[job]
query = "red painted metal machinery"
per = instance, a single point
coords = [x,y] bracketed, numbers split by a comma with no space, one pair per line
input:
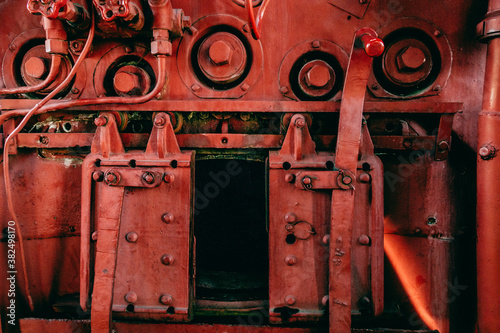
[249,166]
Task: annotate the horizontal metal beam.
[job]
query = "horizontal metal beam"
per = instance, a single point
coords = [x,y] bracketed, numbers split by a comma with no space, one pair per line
[233,106]
[217,140]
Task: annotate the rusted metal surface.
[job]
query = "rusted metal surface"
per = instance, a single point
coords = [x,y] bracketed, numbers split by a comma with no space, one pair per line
[165,256]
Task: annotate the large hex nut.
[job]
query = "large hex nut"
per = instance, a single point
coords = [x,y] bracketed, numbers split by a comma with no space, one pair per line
[57,46]
[161,47]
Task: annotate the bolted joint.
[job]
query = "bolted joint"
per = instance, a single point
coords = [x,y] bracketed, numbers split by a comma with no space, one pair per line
[100,121]
[318,76]
[220,53]
[160,120]
[161,47]
[300,122]
[148,177]
[36,67]
[487,152]
[112,178]
[411,59]
[56,46]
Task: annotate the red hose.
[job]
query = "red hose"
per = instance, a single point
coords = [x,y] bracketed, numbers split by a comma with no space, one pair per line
[54,71]
[255,24]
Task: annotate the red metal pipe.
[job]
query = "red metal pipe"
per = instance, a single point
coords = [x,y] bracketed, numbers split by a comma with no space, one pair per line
[255,24]
[488,192]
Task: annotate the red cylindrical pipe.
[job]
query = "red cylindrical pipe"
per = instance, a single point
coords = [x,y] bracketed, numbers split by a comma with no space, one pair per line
[488,193]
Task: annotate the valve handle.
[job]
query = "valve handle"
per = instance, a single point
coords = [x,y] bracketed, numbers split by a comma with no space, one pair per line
[48,8]
[367,39]
[374,46]
[109,10]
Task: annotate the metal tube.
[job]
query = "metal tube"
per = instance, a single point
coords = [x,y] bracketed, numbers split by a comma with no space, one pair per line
[488,191]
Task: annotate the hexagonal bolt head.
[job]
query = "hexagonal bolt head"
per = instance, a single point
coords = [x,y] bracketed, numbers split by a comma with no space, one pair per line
[411,59]
[318,76]
[220,53]
[148,177]
[36,67]
[126,82]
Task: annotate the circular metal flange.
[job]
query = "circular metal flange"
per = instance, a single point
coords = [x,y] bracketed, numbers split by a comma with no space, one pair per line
[416,62]
[295,81]
[31,42]
[121,60]
[191,73]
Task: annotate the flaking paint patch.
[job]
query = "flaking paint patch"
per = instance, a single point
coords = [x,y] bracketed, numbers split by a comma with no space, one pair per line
[71,162]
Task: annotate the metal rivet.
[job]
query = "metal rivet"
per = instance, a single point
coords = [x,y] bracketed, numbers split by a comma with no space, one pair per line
[168,177]
[75,91]
[364,240]
[365,177]
[167,259]
[289,178]
[290,300]
[284,90]
[326,239]
[195,87]
[290,217]
[166,299]
[98,176]
[132,237]
[325,300]
[290,260]
[306,180]
[131,297]
[167,218]
[245,86]
[316,44]
[94,236]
